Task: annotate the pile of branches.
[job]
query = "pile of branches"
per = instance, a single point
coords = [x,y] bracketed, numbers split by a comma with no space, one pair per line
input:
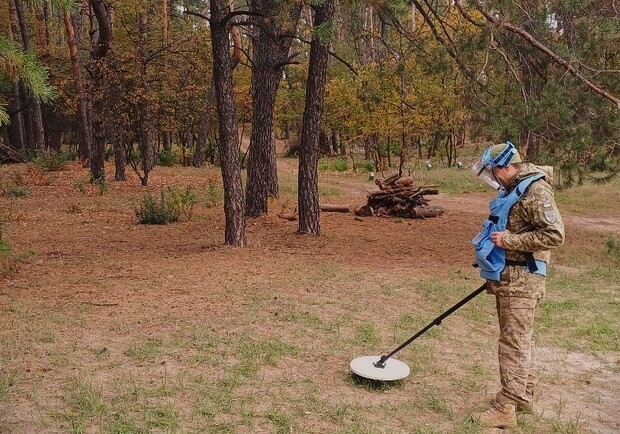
[398,197]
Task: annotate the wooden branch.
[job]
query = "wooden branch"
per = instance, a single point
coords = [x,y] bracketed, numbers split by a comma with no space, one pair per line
[549,52]
[99,304]
[196,14]
[331,53]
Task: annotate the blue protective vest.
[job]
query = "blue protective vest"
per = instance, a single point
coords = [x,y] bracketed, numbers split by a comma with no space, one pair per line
[490,258]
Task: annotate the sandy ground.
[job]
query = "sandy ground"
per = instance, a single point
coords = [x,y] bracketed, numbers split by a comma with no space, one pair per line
[89,251]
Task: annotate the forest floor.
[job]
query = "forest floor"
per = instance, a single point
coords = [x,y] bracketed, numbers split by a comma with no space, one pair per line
[109,326]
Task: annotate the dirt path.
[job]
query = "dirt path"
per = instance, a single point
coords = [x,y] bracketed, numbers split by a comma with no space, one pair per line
[477,203]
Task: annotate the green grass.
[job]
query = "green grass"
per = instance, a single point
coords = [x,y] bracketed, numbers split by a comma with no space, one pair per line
[450,180]
[265,350]
[282,422]
[146,350]
[7,381]
[589,199]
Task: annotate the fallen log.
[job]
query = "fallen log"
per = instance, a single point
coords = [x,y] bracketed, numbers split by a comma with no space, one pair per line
[286,215]
[364,211]
[335,208]
[426,211]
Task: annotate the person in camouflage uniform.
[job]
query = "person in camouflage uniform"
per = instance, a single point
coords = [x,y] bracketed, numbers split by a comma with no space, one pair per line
[534,225]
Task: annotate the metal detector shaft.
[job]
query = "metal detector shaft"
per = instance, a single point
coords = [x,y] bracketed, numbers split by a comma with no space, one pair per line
[436,321]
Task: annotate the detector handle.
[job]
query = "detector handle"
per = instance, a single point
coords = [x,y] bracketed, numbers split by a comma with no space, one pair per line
[437,321]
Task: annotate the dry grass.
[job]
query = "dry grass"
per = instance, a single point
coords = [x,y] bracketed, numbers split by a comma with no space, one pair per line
[114,327]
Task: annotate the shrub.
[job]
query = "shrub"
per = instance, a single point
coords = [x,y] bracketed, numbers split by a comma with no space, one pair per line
[613,247]
[108,153]
[214,194]
[167,158]
[69,155]
[80,186]
[101,185]
[158,212]
[50,161]
[74,209]
[15,192]
[171,205]
[341,164]
[367,166]
[4,250]
[188,199]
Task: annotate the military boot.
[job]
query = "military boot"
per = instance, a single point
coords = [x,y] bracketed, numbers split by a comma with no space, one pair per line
[527,408]
[499,416]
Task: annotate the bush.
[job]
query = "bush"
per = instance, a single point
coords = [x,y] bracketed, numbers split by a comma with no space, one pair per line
[214,194]
[69,155]
[367,166]
[167,158]
[158,212]
[15,192]
[108,153]
[50,161]
[339,164]
[4,250]
[188,199]
[613,247]
[172,204]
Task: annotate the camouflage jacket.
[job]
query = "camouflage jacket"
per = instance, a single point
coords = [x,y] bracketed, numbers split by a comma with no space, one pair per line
[534,225]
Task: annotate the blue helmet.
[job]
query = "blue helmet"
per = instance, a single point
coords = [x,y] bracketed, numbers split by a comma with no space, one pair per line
[500,155]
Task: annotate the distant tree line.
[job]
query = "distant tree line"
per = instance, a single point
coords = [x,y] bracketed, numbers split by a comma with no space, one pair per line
[139,79]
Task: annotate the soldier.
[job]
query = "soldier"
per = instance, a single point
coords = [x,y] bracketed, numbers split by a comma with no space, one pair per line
[512,251]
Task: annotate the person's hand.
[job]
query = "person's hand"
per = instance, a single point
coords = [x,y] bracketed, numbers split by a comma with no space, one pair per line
[497,238]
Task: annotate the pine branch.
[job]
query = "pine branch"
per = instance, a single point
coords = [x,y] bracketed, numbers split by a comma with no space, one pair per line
[556,58]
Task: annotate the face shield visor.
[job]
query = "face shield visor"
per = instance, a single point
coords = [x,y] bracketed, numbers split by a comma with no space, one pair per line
[485,173]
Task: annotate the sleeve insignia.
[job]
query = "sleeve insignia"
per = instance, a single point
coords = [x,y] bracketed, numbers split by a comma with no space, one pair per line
[549,212]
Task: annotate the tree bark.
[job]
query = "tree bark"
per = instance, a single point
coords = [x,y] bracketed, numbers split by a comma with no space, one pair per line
[98,70]
[208,112]
[78,80]
[228,140]
[270,54]
[308,191]
[36,116]
[146,129]
[120,160]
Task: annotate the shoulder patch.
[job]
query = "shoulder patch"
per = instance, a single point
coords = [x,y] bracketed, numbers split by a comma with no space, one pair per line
[549,212]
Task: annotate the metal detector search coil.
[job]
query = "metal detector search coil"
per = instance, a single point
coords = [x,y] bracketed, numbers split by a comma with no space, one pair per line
[393,370]
[385,368]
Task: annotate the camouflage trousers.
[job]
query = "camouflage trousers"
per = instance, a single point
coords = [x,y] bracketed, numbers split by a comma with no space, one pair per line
[517,364]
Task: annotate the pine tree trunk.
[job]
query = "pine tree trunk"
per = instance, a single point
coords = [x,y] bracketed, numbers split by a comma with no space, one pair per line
[264,87]
[270,54]
[228,140]
[15,129]
[99,75]
[147,129]
[82,102]
[206,116]
[17,125]
[35,123]
[97,154]
[308,191]
[120,160]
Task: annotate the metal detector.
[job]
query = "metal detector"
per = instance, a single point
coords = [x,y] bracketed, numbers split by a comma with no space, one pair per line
[385,368]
